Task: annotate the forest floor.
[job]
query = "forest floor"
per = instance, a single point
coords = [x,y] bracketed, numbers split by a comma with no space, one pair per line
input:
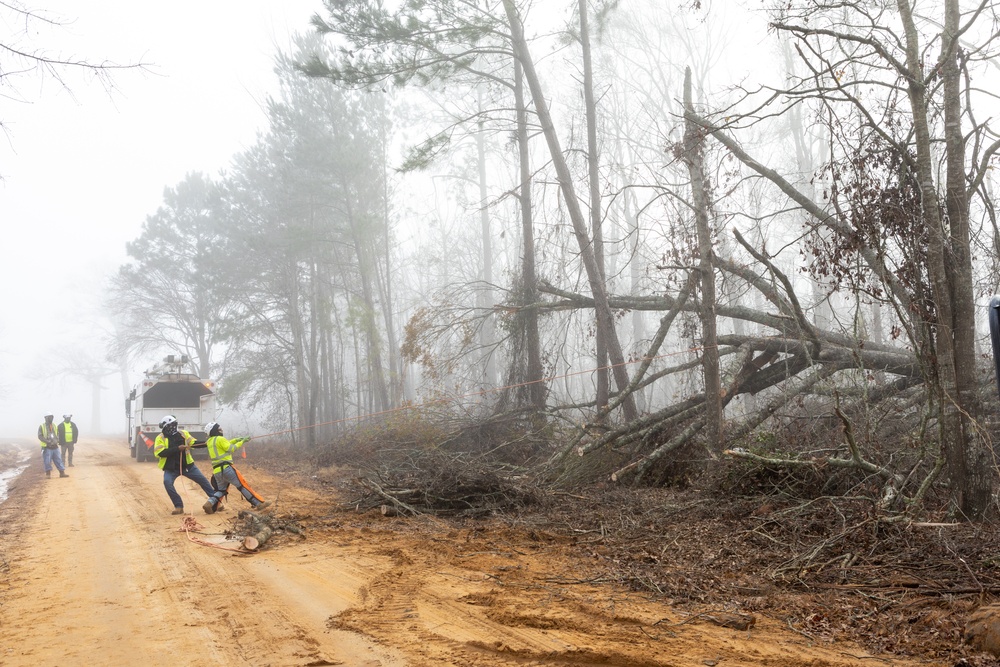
[95,570]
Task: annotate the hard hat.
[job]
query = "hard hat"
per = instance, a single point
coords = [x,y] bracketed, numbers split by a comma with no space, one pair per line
[166,421]
[67,416]
[211,426]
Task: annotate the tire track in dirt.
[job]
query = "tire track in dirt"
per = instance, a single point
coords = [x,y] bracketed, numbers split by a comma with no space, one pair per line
[248,617]
[462,615]
[463,597]
[465,617]
[98,573]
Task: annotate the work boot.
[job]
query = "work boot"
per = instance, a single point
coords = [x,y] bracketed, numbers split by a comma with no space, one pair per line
[209,507]
[262,505]
[178,510]
[62,473]
[71,465]
[48,473]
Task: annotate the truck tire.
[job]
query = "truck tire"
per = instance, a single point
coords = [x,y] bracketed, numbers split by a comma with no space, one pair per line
[140,452]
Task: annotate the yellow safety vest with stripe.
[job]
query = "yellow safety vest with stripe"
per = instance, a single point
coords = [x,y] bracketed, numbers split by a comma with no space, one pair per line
[221,450]
[46,431]
[162,443]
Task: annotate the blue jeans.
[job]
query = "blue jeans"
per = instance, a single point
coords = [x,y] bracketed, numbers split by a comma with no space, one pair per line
[50,456]
[191,472]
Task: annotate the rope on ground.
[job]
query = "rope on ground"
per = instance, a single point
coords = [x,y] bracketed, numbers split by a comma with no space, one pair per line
[190,525]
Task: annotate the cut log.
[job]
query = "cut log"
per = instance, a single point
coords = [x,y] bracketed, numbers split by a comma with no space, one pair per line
[258,539]
[260,530]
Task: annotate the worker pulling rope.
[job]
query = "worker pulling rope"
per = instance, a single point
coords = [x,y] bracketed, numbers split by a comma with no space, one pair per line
[173,451]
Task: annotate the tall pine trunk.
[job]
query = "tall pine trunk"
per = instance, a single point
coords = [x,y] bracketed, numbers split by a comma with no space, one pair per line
[536,384]
[605,318]
[593,163]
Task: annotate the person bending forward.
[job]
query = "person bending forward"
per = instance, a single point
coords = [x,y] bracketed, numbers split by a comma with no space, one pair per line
[173,448]
[224,473]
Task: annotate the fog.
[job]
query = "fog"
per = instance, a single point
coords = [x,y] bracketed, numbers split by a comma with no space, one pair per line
[83,162]
[689,224]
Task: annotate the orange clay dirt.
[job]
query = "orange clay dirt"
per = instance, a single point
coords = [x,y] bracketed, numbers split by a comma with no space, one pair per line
[94,570]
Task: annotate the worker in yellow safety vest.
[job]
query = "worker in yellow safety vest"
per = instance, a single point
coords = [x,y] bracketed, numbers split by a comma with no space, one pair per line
[224,473]
[67,433]
[173,448]
[50,447]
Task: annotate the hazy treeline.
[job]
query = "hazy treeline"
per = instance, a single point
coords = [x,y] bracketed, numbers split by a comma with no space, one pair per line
[670,228]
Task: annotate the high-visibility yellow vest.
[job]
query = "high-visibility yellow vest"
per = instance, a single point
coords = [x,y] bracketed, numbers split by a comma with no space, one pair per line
[47,430]
[221,450]
[68,432]
[162,443]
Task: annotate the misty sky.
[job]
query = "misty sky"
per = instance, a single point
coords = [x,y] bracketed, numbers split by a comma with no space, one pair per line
[82,166]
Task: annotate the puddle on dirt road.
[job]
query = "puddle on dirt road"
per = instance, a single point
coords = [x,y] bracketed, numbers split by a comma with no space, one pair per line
[14,459]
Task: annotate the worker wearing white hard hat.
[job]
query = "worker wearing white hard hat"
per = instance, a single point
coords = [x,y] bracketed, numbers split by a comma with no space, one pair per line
[50,447]
[173,449]
[67,433]
[224,473]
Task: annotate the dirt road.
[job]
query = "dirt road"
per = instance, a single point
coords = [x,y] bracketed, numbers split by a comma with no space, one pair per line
[94,570]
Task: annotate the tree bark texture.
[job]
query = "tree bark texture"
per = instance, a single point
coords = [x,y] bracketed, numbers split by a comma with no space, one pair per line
[536,386]
[603,385]
[693,158]
[978,490]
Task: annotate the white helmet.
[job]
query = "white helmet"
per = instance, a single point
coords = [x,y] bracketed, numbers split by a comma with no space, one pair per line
[166,421]
[67,416]
[210,426]
[47,414]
